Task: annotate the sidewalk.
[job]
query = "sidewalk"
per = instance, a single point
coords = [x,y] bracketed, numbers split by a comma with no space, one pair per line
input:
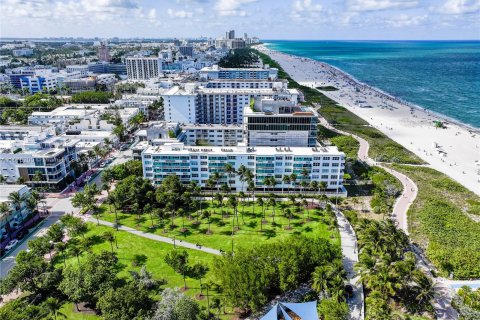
[178,243]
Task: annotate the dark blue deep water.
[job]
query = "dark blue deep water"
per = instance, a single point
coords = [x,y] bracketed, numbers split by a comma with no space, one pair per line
[442,76]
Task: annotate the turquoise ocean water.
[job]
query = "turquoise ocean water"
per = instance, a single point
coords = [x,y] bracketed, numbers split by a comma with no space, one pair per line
[442,76]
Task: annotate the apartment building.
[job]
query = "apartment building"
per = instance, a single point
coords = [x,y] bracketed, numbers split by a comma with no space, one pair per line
[274,123]
[50,156]
[197,104]
[198,163]
[143,68]
[216,72]
[211,135]
[12,220]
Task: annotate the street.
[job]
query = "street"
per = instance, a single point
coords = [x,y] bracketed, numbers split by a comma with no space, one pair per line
[58,206]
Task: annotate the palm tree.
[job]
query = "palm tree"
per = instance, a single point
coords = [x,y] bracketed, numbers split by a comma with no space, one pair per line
[285,180]
[242,174]
[53,305]
[17,200]
[288,213]
[320,280]
[266,183]
[242,196]
[251,187]
[305,204]
[207,214]
[229,170]
[219,199]
[61,247]
[293,179]
[272,202]
[322,185]
[314,187]
[261,203]
[108,236]
[211,184]
[3,180]
[233,202]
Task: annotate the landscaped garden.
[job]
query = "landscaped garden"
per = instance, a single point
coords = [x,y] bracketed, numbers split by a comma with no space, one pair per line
[212,226]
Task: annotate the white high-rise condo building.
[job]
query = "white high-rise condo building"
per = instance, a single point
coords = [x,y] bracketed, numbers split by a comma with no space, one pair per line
[143,68]
[322,164]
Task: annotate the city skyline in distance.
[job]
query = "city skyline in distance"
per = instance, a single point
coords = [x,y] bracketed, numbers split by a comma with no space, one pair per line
[267,19]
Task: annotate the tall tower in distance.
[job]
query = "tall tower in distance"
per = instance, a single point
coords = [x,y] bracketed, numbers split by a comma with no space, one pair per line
[103,53]
[231,34]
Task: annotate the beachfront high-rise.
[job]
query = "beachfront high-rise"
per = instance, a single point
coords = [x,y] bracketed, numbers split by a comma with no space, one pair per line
[271,122]
[321,164]
[193,103]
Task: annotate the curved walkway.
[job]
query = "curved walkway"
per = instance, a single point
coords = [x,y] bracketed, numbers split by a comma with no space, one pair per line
[179,243]
[348,240]
[442,291]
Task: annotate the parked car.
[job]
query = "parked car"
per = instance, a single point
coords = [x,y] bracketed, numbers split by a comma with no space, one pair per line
[11,244]
[22,234]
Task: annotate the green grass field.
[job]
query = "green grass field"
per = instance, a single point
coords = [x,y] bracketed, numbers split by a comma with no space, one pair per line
[133,248]
[249,234]
[441,220]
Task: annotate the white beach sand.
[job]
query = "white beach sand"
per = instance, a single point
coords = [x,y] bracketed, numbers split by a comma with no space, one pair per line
[410,126]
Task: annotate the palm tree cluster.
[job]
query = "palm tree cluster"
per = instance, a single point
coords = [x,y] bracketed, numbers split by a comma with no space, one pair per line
[18,200]
[388,271]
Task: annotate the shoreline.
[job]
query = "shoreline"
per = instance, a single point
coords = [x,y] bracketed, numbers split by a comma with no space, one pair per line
[453,150]
[384,93]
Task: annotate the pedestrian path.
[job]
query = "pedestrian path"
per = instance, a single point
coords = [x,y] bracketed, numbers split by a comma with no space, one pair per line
[177,243]
[442,291]
[349,246]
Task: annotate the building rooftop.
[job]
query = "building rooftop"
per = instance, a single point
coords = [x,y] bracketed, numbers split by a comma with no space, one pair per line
[6,189]
[180,148]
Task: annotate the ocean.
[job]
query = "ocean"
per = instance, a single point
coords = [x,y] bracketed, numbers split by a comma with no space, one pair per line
[442,76]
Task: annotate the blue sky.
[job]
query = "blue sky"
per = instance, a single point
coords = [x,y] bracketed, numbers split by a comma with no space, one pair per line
[267,19]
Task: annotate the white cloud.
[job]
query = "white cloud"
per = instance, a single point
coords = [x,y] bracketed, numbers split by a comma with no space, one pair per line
[180,14]
[459,7]
[306,9]
[152,14]
[231,7]
[375,5]
[404,20]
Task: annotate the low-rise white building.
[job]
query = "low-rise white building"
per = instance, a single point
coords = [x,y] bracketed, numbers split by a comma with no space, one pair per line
[13,219]
[325,164]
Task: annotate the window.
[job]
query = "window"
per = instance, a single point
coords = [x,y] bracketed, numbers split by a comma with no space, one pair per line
[204,169]
[326,158]
[334,164]
[324,176]
[335,158]
[325,164]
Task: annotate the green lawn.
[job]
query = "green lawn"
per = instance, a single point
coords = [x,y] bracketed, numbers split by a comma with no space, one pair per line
[131,246]
[440,220]
[321,225]
[68,309]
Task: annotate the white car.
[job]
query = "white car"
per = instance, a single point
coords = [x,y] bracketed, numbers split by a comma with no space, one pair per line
[11,244]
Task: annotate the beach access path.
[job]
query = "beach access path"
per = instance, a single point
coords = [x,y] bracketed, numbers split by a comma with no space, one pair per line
[453,150]
[442,290]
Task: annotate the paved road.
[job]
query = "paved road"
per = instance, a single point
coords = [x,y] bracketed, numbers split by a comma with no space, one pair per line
[442,290]
[155,237]
[57,206]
